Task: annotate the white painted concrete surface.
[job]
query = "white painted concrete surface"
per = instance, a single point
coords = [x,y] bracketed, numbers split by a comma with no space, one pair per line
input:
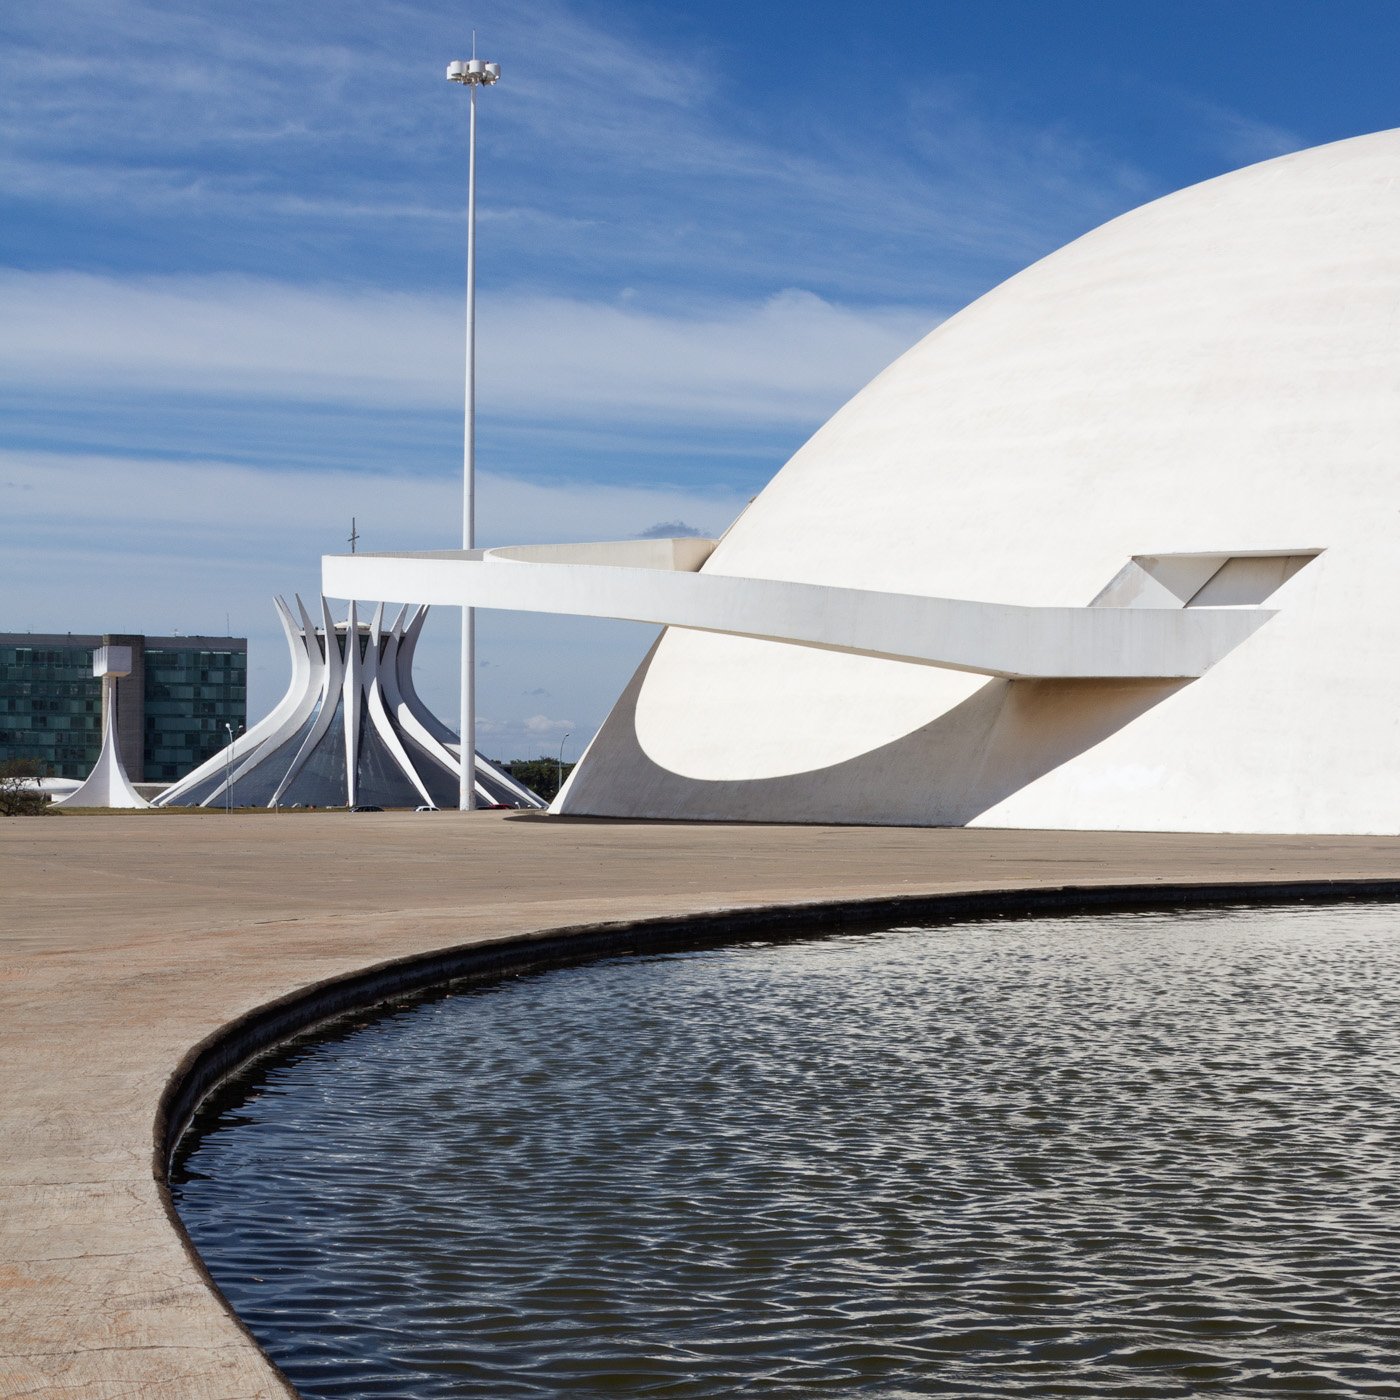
[107,785]
[1215,375]
[992,639]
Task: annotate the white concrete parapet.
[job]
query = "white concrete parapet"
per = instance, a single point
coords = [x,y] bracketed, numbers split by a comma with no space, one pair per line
[111,660]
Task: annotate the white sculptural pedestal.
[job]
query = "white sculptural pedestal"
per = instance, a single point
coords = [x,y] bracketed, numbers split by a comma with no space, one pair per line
[107,785]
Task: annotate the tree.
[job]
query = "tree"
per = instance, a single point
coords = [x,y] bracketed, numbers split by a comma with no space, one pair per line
[19,792]
[540,775]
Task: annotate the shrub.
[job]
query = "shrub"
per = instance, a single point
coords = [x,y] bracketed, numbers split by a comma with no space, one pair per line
[19,796]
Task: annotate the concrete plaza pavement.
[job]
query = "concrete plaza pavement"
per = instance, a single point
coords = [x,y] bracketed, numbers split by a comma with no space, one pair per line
[126,940]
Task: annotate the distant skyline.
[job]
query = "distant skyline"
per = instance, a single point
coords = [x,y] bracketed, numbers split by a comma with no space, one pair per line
[231,266]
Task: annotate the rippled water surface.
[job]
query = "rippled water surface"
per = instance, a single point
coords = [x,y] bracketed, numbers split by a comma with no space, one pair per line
[1127,1155]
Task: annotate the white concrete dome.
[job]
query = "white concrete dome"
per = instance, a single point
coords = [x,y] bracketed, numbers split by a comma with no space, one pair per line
[1208,379]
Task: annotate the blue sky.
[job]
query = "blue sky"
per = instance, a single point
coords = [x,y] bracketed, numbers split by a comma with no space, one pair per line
[231,266]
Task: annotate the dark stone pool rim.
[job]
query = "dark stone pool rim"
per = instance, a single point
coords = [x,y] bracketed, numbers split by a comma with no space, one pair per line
[227,1051]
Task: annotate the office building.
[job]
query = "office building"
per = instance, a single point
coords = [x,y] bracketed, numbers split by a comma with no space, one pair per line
[171,710]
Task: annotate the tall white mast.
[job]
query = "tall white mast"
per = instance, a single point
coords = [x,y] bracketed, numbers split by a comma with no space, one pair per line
[474,74]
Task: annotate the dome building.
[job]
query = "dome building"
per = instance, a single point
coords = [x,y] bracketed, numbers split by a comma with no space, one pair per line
[1115,547]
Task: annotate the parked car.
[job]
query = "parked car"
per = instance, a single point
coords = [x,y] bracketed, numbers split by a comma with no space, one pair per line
[367,808]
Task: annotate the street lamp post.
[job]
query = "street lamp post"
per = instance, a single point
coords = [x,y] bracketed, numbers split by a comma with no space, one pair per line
[562,742]
[228,769]
[472,73]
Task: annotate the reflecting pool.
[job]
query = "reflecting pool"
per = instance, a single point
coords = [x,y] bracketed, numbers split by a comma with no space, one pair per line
[1151,1154]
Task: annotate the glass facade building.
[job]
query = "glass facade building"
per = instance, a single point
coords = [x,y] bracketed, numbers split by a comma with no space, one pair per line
[171,710]
[50,703]
[192,692]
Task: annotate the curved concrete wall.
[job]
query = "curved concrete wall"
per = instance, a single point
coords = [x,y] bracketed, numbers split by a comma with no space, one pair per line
[1217,373]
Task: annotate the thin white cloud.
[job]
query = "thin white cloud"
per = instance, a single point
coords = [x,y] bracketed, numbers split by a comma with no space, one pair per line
[791,358]
[542,724]
[101,543]
[1235,137]
[186,508]
[186,80]
[784,360]
[256,117]
[1240,138]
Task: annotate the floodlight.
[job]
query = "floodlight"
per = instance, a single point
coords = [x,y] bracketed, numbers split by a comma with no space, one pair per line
[474,72]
